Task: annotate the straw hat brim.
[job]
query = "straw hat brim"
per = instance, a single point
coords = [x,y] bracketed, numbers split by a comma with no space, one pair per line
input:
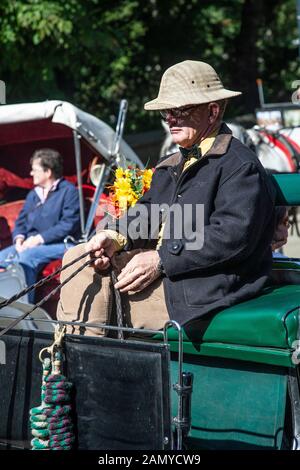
[179,100]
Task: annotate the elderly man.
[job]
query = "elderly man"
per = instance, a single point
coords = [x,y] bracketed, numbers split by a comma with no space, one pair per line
[161,274]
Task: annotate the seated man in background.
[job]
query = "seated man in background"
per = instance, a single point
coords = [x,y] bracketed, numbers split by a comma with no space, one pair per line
[50,213]
[280,275]
[280,236]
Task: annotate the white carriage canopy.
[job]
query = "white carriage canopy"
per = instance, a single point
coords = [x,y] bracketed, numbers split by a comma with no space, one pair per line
[28,126]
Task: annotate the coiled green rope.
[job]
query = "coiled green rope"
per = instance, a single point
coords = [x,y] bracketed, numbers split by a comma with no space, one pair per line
[51,423]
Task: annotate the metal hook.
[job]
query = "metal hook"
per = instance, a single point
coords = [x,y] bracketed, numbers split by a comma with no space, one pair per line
[59,333]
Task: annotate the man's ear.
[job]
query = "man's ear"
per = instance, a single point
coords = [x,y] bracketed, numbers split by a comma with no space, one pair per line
[213,112]
[50,173]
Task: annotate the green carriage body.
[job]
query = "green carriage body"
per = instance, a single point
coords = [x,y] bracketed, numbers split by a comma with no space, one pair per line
[245,366]
[246,391]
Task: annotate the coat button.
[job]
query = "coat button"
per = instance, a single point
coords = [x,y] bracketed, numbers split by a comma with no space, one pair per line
[175,247]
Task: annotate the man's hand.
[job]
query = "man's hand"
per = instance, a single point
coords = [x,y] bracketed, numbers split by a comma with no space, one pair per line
[141,271]
[104,247]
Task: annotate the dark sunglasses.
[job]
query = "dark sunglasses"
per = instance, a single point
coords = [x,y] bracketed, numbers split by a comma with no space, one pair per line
[177,113]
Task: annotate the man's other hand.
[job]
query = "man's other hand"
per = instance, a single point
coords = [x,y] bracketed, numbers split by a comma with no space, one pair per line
[139,272]
[104,247]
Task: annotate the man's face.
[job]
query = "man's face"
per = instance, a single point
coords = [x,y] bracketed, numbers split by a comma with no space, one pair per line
[40,176]
[193,125]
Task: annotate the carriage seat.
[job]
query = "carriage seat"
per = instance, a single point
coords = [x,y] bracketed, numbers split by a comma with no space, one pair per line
[263,329]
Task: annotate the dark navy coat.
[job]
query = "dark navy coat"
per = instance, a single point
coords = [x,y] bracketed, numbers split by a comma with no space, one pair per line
[239,217]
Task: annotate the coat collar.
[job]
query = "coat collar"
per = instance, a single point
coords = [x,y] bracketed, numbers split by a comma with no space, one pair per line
[219,147]
[222,142]
[42,194]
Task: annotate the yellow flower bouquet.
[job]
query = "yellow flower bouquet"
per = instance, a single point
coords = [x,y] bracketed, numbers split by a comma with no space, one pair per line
[129,186]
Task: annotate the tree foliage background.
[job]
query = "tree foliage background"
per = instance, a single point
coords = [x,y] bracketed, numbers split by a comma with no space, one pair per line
[95,52]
